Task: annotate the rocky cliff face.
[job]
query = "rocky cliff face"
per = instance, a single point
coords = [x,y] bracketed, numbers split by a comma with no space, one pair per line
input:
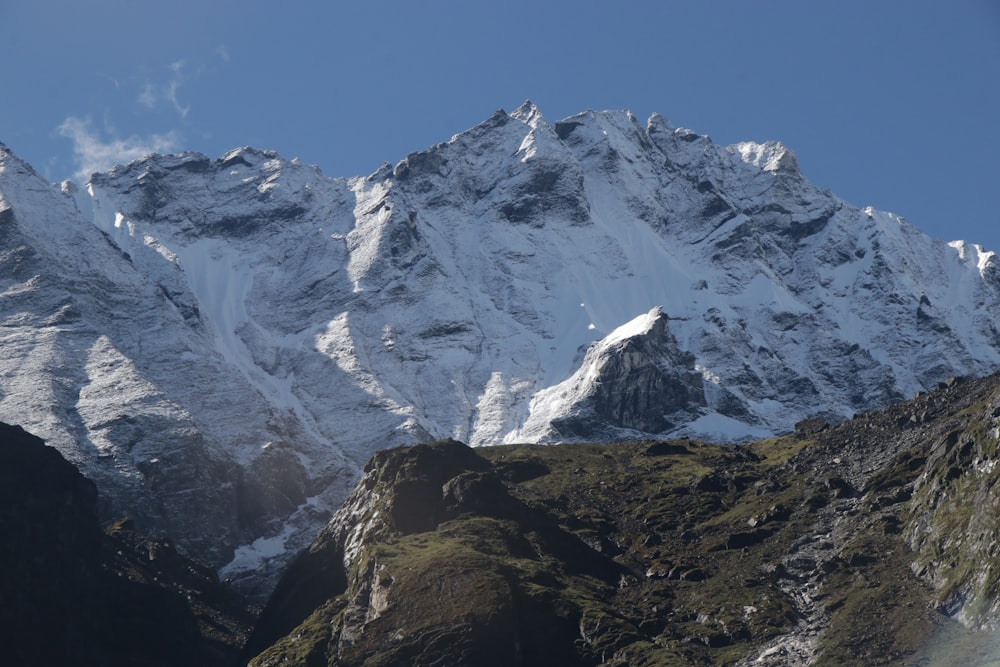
[222,343]
[492,599]
[634,381]
[951,521]
[74,594]
[866,543]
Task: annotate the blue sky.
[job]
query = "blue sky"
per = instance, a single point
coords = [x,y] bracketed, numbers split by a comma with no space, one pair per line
[890,103]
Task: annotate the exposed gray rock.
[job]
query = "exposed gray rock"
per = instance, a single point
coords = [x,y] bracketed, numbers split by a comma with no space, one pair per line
[635,380]
[222,343]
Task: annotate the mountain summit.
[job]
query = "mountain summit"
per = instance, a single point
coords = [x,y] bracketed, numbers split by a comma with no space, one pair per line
[221,344]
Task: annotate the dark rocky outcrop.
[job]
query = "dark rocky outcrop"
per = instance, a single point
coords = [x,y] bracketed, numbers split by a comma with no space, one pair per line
[645,378]
[499,594]
[74,594]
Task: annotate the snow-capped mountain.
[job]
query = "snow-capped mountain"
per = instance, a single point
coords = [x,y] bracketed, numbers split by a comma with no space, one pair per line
[221,344]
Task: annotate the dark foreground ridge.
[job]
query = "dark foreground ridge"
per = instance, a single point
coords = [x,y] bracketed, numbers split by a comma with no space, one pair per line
[867,543]
[72,594]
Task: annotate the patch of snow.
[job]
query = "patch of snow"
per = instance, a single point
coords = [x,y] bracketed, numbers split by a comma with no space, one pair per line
[254,556]
[720,428]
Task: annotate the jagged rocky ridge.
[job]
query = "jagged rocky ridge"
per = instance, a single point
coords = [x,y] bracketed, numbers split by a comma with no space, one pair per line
[221,344]
[872,543]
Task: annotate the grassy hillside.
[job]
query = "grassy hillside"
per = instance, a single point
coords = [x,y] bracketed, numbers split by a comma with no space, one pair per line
[854,544]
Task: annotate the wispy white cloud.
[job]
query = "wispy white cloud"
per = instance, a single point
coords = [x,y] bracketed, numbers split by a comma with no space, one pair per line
[175,83]
[93,153]
[153,93]
[223,52]
[147,97]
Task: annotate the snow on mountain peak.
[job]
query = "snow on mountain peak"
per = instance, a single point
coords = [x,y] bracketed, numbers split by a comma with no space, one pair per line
[528,113]
[642,325]
[771,156]
[634,380]
[657,121]
[974,254]
[272,327]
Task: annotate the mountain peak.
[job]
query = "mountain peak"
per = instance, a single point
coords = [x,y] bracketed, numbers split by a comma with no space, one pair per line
[10,159]
[262,329]
[771,156]
[247,155]
[529,114]
[633,380]
[657,121]
[652,323]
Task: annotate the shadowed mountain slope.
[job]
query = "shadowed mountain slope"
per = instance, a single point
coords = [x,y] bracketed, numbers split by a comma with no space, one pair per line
[74,594]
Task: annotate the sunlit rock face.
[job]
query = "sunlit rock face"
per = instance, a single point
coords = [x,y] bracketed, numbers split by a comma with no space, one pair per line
[635,381]
[220,344]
